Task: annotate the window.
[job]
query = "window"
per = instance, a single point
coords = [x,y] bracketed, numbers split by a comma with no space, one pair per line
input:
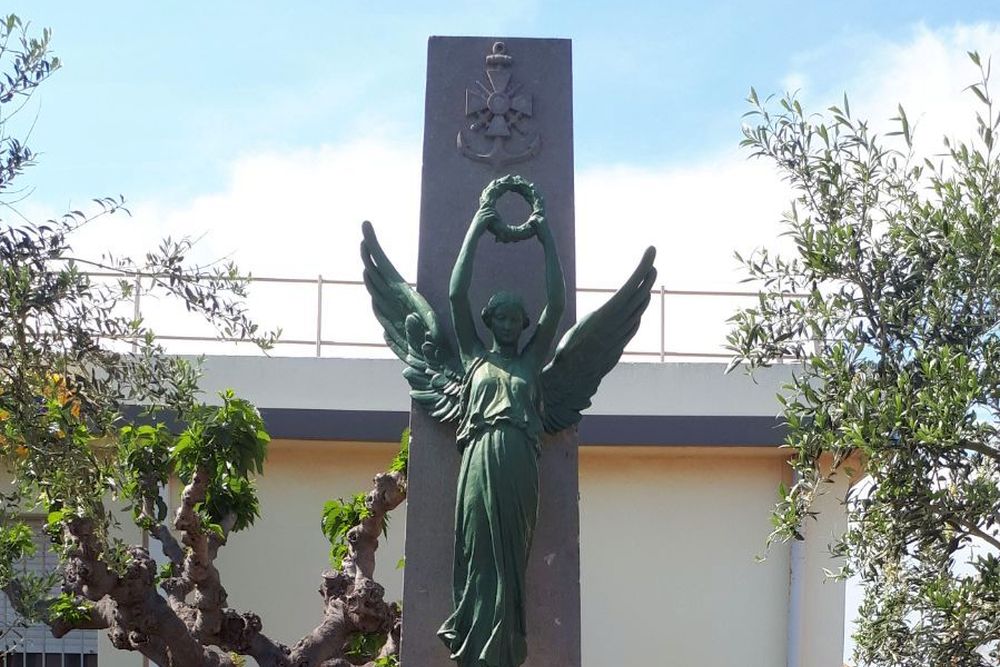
[34,645]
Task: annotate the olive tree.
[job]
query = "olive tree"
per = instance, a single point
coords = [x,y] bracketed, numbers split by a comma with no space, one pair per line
[92,409]
[890,304]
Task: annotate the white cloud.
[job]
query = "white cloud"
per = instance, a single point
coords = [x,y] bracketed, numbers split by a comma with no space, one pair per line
[288,215]
[793,81]
[293,213]
[695,215]
[298,213]
[927,75]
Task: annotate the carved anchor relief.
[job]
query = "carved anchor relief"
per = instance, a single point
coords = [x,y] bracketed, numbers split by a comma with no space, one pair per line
[499,134]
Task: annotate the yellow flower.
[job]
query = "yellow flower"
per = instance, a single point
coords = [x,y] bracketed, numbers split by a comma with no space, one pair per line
[4,415]
[22,451]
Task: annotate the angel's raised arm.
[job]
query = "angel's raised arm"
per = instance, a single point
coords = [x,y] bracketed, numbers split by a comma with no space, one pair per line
[469,345]
[555,287]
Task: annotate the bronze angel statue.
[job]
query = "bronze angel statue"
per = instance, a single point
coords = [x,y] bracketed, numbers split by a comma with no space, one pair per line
[502,396]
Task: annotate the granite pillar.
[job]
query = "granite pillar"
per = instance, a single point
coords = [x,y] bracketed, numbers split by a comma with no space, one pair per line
[494,106]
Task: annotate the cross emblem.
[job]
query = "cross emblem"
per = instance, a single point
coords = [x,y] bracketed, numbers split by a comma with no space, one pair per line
[498,133]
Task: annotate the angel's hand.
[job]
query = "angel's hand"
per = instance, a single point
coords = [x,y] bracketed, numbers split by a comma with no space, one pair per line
[540,225]
[485,217]
[490,194]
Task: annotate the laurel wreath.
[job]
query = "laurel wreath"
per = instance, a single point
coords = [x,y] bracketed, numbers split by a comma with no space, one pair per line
[518,185]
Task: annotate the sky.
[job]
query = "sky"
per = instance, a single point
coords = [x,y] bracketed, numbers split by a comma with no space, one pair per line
[270,131]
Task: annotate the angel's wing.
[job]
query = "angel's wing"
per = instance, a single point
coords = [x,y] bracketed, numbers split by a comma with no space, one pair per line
[592,348]
[412,331]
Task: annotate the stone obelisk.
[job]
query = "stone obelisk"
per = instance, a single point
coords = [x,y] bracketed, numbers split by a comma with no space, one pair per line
[494,106]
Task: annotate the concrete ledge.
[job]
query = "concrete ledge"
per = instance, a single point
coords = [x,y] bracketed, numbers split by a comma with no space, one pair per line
[681,389]
[682,430]
[624,430]
[359,425]
[367,400]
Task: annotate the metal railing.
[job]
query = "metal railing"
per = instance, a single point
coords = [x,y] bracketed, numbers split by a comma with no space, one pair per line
[662,293]
[318,342]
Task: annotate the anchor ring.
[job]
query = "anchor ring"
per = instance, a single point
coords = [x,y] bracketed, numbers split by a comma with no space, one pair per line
[517,184]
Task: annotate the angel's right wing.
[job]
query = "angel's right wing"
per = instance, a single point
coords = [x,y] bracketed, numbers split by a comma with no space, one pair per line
[591,349]
[412,332]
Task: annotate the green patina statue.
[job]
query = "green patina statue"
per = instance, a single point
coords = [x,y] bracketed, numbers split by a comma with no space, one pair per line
[503,397]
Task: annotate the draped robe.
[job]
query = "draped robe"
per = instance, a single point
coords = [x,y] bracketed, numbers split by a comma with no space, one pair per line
[495,512]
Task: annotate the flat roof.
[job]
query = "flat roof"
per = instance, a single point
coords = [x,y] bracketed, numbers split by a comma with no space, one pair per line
[656,404]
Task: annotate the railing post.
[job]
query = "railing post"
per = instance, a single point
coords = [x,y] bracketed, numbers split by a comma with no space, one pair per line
[319,315]
[663,324]
[136,306]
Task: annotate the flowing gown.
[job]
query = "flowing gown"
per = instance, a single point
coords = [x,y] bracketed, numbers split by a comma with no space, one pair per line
[495,512]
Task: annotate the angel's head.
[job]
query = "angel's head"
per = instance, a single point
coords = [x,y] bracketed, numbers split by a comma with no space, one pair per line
[506,317]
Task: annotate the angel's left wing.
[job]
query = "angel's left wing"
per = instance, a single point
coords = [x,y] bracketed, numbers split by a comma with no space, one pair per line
[592,348]
[412,332]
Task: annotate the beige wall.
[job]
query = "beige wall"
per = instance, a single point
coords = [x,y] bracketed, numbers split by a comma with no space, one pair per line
[823,599]
[669,538]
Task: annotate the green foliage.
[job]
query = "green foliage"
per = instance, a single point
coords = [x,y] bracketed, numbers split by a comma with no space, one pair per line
[15,543]
[166,571]
[365,646]
[229,442]
[386,661]
[69,609]
[116,555]
[34,593]
[339,516]
[890,302]
[27,63]
[144,465]
[401,461]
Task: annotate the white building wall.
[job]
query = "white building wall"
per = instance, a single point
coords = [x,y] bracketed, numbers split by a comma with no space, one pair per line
[670,539]
[669,535]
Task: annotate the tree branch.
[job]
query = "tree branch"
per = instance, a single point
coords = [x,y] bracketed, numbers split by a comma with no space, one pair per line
[353,602]
[388,493]
[982,449]
[199,572]
[171,547]
[208,618]
[98,619]
[161,533]
[139,618]
[974,530]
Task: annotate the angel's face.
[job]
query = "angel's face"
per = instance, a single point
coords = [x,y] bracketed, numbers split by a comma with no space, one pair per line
[507,323]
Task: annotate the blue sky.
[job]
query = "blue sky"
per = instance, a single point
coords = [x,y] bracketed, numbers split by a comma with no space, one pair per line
[271,131]
[158,99]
